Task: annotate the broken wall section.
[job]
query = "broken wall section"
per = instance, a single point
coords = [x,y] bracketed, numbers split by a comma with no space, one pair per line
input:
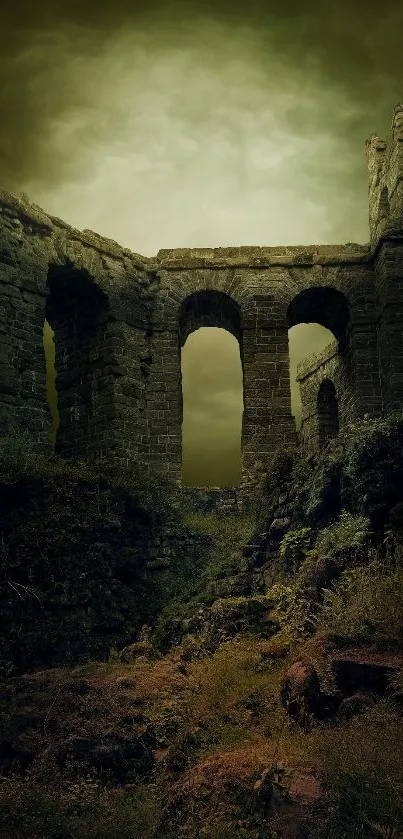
[317,375]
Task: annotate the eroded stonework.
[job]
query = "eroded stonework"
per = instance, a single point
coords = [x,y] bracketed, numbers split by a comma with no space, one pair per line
[120,320]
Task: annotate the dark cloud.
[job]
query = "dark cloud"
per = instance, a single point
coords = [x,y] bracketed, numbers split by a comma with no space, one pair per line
[352,44]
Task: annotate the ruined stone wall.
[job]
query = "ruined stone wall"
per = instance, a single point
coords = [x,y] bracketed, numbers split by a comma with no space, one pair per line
[121,320]
[311,373]
[97,297]
[267,290]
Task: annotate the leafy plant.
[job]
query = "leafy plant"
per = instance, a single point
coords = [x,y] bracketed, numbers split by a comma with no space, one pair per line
[294,546]
[348,532]
[365,599]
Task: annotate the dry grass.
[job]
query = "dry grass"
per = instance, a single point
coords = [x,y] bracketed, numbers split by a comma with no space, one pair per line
[364,768]
[225,681]
[366,599]
[29,810]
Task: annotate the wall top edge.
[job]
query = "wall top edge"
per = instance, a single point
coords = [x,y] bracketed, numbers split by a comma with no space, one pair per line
[312,363]
[18,205]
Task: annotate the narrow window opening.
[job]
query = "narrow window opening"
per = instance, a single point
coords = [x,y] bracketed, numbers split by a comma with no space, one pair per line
[328,413]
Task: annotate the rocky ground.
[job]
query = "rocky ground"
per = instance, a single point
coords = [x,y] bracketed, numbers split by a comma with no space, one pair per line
[264,700]
[238,730]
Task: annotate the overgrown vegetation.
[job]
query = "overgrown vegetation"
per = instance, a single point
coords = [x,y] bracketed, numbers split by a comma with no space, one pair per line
[88,563]
[364,772]
[222,538]
[72,810]
[366,601]
[177,744]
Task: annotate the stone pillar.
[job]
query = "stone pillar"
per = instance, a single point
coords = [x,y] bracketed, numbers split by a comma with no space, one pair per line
[360,361]
[162,447]
[389,270]
[24,410]
[385,163]
[267,419]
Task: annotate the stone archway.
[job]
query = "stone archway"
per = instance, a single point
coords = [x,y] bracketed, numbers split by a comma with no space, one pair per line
[208,309]
[329,308]
[328,412]
[324,305]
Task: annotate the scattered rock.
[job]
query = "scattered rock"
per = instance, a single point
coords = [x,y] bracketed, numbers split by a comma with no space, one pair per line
[140,649]
[236,586]
[113,756]
[355,704]
[158,564]
[270,650]
[233,615]
[300,691]
[279,526]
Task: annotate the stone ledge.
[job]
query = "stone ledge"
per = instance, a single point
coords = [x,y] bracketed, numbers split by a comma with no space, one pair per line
[312,363]
[262,257]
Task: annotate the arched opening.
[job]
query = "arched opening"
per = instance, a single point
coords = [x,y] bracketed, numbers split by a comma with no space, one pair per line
[76,318]
[316,317]
[212,393]
[323,305]
[212,409]
[328,412]
[303,340]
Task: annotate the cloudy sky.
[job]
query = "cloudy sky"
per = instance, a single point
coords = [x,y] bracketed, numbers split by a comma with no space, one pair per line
[203,123]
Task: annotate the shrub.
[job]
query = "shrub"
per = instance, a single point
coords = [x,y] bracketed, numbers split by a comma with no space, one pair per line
[348,532]
[365,599]
[294,546]
[373,468]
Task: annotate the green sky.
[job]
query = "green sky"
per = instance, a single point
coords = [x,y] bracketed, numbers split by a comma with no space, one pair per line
[200,124]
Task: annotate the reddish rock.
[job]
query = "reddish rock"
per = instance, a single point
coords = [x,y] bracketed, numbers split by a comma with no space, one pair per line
[288,814]
[300,691]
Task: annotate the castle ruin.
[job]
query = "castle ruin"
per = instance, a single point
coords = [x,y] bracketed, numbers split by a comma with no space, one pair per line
[120,320]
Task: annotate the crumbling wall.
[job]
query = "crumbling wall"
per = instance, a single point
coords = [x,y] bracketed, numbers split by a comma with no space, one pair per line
[97,296]
[318,368]
[25,233]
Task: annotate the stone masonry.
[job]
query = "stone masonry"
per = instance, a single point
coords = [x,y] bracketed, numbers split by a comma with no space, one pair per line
[120,321]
